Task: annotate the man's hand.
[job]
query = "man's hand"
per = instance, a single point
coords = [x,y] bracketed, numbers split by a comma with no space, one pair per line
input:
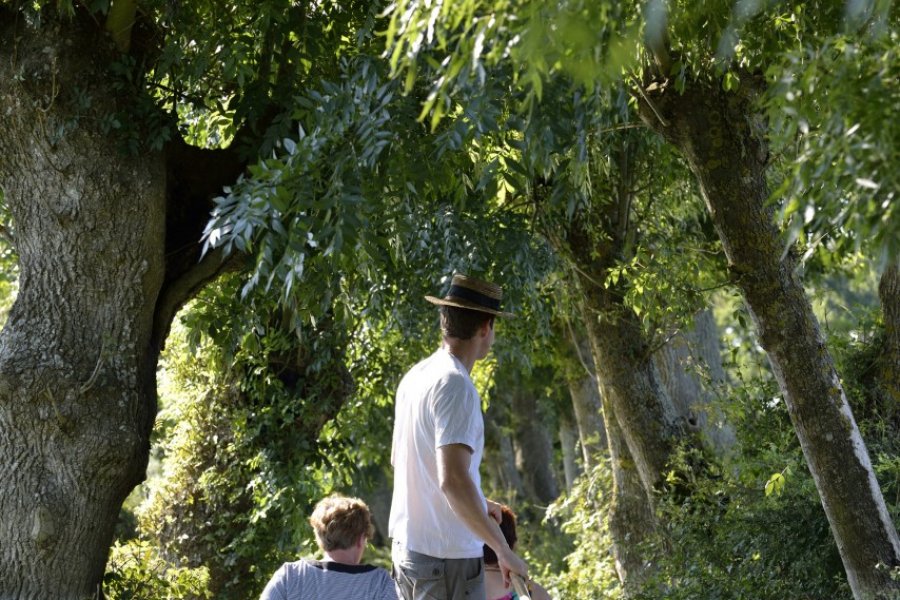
[495,510]
[466,501]
[511,563]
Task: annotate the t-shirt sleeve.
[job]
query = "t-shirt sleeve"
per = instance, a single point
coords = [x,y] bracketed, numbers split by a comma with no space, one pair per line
[455,407]
[276,589]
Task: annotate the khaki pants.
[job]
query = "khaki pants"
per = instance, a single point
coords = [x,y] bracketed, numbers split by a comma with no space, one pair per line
[422,577]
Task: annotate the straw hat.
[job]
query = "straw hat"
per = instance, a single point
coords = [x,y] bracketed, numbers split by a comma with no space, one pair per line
[474,294]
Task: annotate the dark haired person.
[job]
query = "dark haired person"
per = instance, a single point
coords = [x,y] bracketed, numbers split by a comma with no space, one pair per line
[342,526]
[494,585]
[440,518]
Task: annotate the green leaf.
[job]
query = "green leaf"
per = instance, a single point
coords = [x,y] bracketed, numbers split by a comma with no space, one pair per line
[775,484]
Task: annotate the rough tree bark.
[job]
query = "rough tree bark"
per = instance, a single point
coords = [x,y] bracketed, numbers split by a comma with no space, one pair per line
[631,517]
[533,446]
[568,441]
[683,363]
[102,271]
[627,376]
[586,404]
[641,423]
[502,463]
[722,138]
[889,293]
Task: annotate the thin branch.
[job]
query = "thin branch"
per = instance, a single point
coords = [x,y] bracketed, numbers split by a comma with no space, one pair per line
[89,12]
[179,291]
[623,126]
[706,289]
[652,106]
[656,348]
[587,276]
[577,347]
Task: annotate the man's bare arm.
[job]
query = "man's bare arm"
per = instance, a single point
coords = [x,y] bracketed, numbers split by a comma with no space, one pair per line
[462,494]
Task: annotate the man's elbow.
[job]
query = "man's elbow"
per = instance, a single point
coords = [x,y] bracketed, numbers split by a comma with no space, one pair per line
[450,483]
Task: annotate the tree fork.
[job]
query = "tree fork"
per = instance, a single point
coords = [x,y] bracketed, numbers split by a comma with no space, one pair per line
[102,270]
[722,138]
[626,374]
[640,420]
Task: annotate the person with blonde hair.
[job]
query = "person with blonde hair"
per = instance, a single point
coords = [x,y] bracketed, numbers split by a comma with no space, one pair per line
[342,526]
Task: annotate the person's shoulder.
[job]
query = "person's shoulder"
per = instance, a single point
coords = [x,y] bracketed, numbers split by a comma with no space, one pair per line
[427,369]
[293,567]
[374,571]
[285,578]
[439,371]
[384,584]
[452,385]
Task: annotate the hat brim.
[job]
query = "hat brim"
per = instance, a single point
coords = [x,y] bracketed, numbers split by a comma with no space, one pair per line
[462,303]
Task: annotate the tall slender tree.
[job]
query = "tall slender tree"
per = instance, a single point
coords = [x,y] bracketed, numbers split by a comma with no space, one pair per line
[720,135]
[698,74]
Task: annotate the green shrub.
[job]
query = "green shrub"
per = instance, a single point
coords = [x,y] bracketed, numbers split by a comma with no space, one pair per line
[589,570]
[136,572]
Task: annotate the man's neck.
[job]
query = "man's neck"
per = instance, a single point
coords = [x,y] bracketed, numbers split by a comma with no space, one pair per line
[347,556]
[465,351]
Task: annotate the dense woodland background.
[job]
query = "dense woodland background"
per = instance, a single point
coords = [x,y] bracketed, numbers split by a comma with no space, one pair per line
[219,221]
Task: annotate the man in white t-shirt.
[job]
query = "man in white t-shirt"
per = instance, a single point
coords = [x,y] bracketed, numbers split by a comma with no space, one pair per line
[440,518]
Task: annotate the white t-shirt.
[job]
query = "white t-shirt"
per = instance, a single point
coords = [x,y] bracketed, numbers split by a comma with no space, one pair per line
[436,405]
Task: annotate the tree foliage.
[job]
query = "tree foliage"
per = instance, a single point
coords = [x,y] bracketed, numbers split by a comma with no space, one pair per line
[392,145]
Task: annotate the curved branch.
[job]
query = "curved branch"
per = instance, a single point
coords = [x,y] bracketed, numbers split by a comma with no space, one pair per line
[195,176]
[174,295]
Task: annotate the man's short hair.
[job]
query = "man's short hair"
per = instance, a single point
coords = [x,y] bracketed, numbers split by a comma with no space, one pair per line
[339,521]
[462,323]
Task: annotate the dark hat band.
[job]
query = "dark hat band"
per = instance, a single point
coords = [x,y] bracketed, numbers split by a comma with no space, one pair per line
[473,296]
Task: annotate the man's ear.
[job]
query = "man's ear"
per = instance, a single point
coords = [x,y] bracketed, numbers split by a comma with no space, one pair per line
[485,328]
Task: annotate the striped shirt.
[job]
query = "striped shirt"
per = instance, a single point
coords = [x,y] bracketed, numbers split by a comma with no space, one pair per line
[324,580]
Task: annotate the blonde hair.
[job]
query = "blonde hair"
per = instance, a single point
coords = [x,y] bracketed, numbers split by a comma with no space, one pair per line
[339,521]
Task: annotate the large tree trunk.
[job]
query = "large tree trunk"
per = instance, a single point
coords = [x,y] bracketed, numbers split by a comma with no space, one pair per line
[634,401]
[628,378]
[631,517]
[889,292]
[534,447]
[77,362]
[568,441]
[721,137]
[586,404]
[96,295]
[683,364]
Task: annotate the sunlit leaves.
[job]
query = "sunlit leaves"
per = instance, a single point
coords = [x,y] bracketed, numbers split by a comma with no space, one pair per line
[587,41]
[303,205]
[775,484]
[833,110]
